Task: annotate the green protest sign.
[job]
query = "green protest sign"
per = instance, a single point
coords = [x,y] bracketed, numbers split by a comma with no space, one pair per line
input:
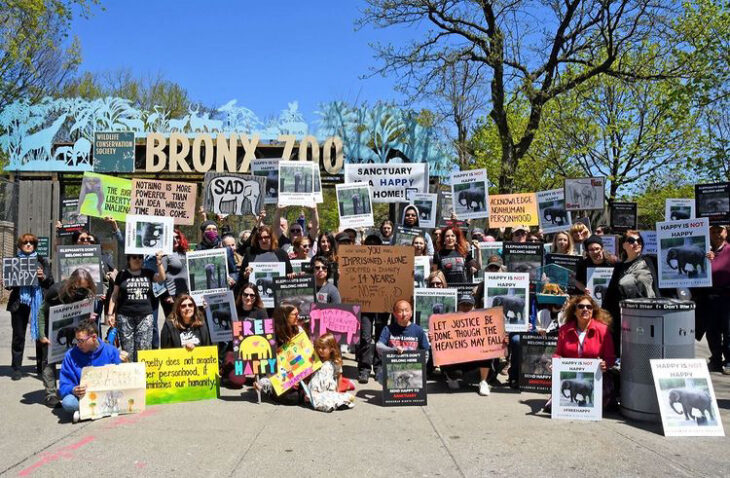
[103,196]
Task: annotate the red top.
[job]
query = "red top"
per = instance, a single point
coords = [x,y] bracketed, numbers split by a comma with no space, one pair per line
[596,344]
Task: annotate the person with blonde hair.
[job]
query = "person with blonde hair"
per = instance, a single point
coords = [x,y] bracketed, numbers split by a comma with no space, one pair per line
[579,232]
[563,244]
[324,383]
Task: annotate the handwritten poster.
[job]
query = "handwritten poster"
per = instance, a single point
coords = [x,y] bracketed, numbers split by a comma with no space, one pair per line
[254,346]
[467,336]
[296,361]
[180,375]
[20,271]
[173,199]
[342,320]
[230,193]
[510,210]
[112,390]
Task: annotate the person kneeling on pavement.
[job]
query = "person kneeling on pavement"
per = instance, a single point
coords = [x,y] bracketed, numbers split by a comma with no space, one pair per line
[88,351]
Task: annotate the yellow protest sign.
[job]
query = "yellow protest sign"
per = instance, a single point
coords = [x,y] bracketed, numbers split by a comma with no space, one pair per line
[181,375]
[510,210]
[296,360]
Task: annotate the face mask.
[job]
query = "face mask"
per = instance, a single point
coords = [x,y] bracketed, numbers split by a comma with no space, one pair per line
[81,294]
[211,236]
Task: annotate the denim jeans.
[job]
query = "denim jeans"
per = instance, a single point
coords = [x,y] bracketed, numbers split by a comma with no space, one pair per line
[70,403]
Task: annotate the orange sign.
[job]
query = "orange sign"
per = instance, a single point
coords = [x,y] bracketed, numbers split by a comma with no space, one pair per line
[510,210]
[467,336]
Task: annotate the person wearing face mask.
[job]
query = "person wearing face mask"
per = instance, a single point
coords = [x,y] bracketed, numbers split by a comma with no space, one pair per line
[325,291]
[595,257]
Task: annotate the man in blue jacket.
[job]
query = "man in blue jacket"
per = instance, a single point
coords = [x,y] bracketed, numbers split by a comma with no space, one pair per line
[89,351]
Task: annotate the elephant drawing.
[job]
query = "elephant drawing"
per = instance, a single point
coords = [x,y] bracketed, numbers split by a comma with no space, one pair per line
[265,286]
[254,347]
[577,387]
[556,215]
[689,399]
[66,336]
[679,214]
[221,318]
[94,186]
[151,233]
[437,308]
[684,255]
[599,291]
[243,193]
[511,303]
[472,199]
[588,194]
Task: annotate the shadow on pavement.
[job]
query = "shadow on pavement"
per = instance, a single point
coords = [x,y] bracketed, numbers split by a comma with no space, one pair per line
[33,398]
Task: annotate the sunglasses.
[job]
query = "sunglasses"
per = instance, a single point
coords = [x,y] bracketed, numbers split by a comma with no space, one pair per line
[32,243]
[585,306]
[264,238]
[437,282]
[295,231]
[320,268]
[632,240]
[187,305]
[519,233]
[84,239]
[136,257]
[248,295]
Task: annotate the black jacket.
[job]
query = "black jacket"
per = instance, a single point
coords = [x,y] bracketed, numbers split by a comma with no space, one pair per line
[14,300]
[170,336]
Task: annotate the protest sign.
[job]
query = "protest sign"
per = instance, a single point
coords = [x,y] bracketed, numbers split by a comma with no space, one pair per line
[421,270]
[20,271]
[567,261]
[70,258]
[584,193]
[445,208]
[390,183]
[536,352]
[44,246]
[269,170]
[403,236]
[682,249]
[679,209]
[650,242]
[624,216]
[296,183]
[687,401]
[341,320]
[112,390]
[511,210]
[71,220]
[427,302]
[164,199]
[180,375]
[298,291]
[318,197]
[610,244]
[262,276]
[299,266]
[426,204]
[102,195]
[469,192]
[148,234]
[713,202]
[296,360]
[523,257]
[405,379]
[254,346]
[114,151]
[597,279]
[577,389]
[551,211]
[62,322]
[511,292]
[488,249]
[220,313]
[207,272]
[467,336]
[230,193]
[354,205]
[375,276]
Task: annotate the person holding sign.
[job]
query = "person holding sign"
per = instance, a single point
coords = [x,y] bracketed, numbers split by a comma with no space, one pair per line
[264,248]
[401,335]
[454,258]
[25,302]
[185,326]
[410,220]
[596,257]
[325,292]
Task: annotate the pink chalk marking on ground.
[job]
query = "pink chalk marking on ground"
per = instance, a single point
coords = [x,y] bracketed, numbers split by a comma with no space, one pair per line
[130,419]
[65,452]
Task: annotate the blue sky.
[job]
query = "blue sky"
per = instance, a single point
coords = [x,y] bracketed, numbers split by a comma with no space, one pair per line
[265,54]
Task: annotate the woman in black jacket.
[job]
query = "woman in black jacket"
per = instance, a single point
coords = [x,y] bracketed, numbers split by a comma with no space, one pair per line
[185,326]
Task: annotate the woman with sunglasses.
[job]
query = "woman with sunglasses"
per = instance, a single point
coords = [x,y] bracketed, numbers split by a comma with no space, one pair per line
[325,291]
[302,248]
[130,309]
[25,302]
[633,278]
[264,248]
[185,326]
[436,280]
[410,220]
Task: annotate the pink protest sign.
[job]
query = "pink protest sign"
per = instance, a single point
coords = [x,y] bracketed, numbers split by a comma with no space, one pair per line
[342,320]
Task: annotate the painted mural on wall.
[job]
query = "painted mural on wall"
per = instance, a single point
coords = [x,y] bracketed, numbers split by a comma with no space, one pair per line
[56,134]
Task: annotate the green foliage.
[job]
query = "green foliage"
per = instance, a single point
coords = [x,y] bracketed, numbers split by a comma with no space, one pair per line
[651,201]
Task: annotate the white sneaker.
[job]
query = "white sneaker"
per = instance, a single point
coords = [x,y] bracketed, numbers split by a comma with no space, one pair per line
[452,383]
[483,388]
[77,417]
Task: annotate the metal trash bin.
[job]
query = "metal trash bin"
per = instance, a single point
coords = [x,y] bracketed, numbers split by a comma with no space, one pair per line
[651,329]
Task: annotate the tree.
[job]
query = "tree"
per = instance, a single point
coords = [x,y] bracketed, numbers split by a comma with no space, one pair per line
[575,41]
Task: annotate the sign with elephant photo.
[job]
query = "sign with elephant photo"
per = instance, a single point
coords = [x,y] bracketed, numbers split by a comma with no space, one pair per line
[148,234]
[220,313]
[511,292]
[405,379]
[584,194]
[597,279]
[551,211]
[577,389]
[354,205]
[113,390]
[269,170]
[207,272]
[254,347]
[536,355]
[523,257]
[464,337]
[114,151]
[341,320]
[511,210]
[687,401]
[679,209]
[164,199]
[105,196]
[296,183]
[426,204]
[262,275]
[70,219]
[234,194]
[713,202]
[427,302]
[469,193]
[70,258]
[62,322]
[624,216]
[682,249]
[297,291]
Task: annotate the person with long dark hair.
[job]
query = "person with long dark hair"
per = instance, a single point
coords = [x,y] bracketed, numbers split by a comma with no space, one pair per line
[264,248]
[185,326]
[176,279]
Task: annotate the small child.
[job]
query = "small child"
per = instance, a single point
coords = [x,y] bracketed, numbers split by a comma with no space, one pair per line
[402,334]
[323,384]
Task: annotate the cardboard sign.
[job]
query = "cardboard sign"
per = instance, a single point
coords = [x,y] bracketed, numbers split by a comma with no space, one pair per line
[113,390]
[682,249]
[552,214]
[577,389]
[679,209]
[180,375]
[164,199]
[624,216]
[584,194]
[263,277]
[713,202]
[254,346]
[511,292]
[236,194]
[102,195]
[421,270]
[296,360]
[148,234]
[375,276]
[20,271]
[510,210]
[71,220]
[469,190]
[354,205]
[597,279]
[687,401]
[427,205]
[405,379]
[390,183]
[62,322]
[207,272]
[296,183]
[220,313]
[269,170]
[298,291]
[114,151]
[341,320]
[523,257]
[467,336]
[536,355]
[70,258]
[427,302]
